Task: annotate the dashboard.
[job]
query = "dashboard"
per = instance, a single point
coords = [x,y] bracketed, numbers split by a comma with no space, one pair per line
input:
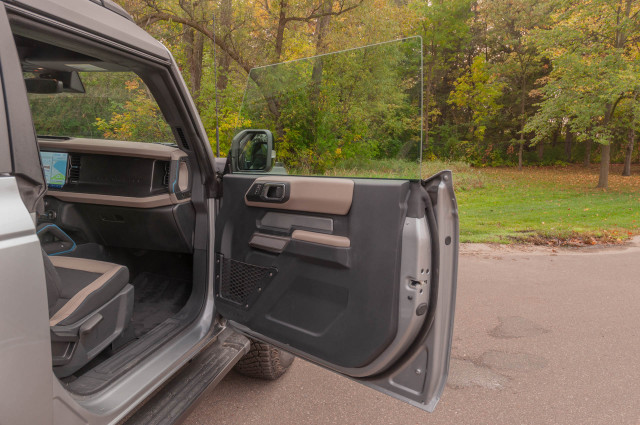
[108,172]
[118,193]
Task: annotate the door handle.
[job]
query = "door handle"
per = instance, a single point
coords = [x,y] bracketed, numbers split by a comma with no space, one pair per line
[274,192]
[270,192]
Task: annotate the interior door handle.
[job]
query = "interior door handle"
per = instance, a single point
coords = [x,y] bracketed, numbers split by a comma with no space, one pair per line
[274,192]
[271,192]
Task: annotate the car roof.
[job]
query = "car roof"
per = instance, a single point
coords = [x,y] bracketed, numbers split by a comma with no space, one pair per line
[100,17]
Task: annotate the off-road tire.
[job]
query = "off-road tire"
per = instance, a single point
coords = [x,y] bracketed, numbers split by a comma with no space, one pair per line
[264,361]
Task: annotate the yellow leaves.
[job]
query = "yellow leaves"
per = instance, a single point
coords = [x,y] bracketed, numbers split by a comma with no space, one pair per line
[132,85]
[138,118]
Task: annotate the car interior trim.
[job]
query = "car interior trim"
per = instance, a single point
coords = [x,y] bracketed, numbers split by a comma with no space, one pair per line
[119,201]
[114,147]
[321,238]
[269,243]
[183,177]
[285,221]
[311,194]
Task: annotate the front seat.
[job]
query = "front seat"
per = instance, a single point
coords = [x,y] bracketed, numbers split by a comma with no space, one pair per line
[90,304]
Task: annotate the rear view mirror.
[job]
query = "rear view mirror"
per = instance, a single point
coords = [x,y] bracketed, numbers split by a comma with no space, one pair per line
[71,82]
[43,85]
[252,151]
[55,82]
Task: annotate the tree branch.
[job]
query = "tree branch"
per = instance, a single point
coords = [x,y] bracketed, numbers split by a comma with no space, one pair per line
[321,14]
[154,17]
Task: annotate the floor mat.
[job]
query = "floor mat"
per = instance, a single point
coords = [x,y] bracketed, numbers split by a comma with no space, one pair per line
[156,298]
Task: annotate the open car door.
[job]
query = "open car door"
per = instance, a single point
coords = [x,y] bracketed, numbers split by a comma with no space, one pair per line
[355,274]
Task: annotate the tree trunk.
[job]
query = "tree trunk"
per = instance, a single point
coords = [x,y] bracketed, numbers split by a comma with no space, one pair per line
[629,152]
[605,152]
[523,119]
[632,140]
[224,62]
[282,23]
[520,149]
[320,34]
[427,99]
[322,27]
[196,63]
[554,136]
[540,151]
[587,153]
[194,42]
[568,144]
[603,180]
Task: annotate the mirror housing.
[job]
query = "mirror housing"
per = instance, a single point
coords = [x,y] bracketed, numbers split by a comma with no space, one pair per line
[65,81]
[43,85]
[252,151]
[71,82]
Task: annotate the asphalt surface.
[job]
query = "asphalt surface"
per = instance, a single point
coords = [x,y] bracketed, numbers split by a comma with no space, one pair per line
[541,336]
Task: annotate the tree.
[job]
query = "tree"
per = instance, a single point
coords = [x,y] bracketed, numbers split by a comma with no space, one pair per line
[444,27]
[478,91]
[631,128]
[517,59]
[592,45]
[265,17]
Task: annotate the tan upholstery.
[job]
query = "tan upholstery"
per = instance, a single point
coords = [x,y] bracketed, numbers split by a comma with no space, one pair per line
[321,238]
[108,270]
[105,271]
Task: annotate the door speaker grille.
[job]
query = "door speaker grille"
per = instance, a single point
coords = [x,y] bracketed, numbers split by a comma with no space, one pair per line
[241,283]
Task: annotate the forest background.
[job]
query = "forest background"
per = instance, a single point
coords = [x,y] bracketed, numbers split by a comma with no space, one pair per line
[506,82]
[532,103]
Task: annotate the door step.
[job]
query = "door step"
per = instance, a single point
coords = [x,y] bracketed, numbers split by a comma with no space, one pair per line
[205,371]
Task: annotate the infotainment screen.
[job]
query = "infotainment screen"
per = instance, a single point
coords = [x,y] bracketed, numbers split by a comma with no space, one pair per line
[55,166]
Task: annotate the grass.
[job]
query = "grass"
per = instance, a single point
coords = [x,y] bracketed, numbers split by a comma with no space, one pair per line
[551,205]
[542,205]
[466,176]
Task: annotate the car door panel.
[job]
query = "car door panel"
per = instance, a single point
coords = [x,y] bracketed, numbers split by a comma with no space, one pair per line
[321,292]
[355,290]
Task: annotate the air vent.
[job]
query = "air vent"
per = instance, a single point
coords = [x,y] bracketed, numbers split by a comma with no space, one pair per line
[167,171]
[183,139]
[75,161]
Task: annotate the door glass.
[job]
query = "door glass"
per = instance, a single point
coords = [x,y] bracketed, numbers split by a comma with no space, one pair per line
[354,113]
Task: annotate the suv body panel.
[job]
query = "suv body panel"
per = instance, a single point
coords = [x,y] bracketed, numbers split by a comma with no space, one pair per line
[25,348]
[87,16]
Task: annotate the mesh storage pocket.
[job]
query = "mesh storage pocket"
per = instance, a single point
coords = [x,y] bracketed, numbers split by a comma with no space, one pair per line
[239,282]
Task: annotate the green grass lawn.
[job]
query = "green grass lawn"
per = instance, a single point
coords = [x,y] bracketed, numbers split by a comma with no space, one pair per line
[554,205]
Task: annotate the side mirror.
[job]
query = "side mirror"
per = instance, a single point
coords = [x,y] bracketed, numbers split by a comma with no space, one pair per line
[252,151]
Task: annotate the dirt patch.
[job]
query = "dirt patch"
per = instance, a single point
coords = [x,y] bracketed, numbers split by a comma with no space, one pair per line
[464,373]
[519,249]
[573,240]
[516,327]
[521,362]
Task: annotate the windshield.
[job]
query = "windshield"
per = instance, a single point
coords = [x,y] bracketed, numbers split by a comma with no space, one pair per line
[351,113]
[115,106]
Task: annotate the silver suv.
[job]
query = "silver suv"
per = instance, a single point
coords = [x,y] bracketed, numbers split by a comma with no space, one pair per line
[135,274]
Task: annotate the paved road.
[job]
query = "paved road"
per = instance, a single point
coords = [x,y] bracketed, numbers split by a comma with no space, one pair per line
[541,337]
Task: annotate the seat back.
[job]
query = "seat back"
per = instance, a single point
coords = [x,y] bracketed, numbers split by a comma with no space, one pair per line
[53,282]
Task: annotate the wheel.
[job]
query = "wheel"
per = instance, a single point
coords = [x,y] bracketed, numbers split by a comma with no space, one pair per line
[264,361]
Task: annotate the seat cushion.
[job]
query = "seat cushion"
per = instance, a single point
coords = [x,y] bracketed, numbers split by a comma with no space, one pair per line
[84,286]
